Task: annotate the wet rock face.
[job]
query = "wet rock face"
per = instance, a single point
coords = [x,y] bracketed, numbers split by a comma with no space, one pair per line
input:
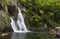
[13,11]
[4,21]
[0,6]
[12,8]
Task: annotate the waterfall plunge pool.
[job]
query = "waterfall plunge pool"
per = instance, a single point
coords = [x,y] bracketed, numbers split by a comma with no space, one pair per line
[29,35]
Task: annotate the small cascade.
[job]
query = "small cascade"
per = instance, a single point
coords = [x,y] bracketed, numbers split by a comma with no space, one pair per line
[13,24]
[20,23]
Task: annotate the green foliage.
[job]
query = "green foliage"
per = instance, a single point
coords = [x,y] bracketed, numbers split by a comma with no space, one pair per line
[5,5]
[23,0]
[40,12]
[50,13]
[6,1]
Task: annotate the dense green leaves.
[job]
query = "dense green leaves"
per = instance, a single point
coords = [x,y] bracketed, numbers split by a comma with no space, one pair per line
[43,11]
[23,0]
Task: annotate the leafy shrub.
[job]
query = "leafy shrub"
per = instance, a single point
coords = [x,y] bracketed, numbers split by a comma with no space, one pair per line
[40,12]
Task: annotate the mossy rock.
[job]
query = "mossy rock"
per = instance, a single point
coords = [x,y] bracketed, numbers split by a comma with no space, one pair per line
[4,21]
[13,11]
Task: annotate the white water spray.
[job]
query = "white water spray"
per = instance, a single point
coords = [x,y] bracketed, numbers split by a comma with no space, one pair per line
[20,23]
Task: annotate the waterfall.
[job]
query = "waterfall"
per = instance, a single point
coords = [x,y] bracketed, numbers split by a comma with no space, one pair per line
[20,23]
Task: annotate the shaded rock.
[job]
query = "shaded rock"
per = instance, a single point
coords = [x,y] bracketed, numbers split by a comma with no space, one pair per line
[13,11]
[12,8]
[4,21]
[57,32]
[1,5]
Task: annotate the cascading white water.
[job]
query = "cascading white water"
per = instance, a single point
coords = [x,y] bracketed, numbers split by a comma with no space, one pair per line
[20,23]
[13,24]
